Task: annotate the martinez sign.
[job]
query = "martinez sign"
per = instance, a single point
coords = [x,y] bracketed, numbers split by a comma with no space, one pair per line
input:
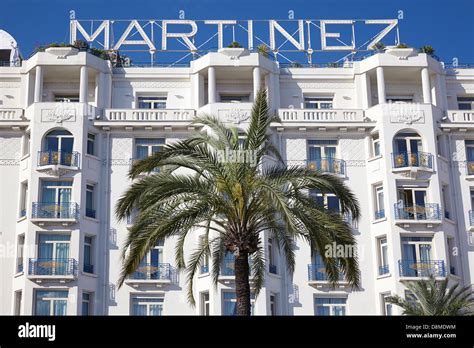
[155,35]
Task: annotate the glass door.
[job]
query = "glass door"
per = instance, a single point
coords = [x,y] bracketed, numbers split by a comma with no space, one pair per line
[53,254]
[412,203]
[59,145]
[56,199]
[416,256]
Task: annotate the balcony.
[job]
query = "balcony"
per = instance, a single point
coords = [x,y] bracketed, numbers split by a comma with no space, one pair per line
[146,117]
[57,162]
[411,161]
[324,165]
[55,213]
[157,274]
[461,116]
[272,269]
[420,269]
[320,115]
[11,115]
[52,269]
[428,213]
[318,277]
[227,271]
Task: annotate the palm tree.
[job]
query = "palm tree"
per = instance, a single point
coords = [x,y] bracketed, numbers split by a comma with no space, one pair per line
[232,203]
[435,298]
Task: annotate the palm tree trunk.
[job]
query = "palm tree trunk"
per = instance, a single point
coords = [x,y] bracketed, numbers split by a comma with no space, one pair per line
[242,285]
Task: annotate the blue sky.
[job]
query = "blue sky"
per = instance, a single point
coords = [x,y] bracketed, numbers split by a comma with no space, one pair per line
[447,25]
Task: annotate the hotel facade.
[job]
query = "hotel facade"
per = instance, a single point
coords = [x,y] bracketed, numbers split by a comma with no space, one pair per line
[397,127]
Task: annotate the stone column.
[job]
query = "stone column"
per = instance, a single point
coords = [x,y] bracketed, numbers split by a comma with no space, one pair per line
[425,82]
[39,84]
[211,84]
[381,85]
[84,85]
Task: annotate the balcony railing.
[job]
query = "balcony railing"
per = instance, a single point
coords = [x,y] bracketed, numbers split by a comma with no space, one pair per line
[204,269]
[419,268]
[384,269]
[52,267]
[68,159]
[272,269]
[88,268]
[134,161]
[320,115]
[471,218]
[91,213]
[462,116]
[428,211]
[46,210]
[122,115]
[317,272]
[379,214]
[470,168]
[11,114]
[228,265]
[324,165]
[412,159]
[152,271]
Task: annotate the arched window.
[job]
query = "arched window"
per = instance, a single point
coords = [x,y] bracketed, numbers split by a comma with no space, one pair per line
[408,150]
[57,148]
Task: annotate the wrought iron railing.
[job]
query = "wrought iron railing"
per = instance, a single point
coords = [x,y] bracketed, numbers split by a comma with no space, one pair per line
[412,159]
[427,211]
[204,269]
[52,267]
[422,268]
[228,265]
[91,213]
[68,159]
[152,271]
[88,268]
[272,269]
[384,269]
[317,272]
[327,165]
[51,210]
[379,214]
[471,217]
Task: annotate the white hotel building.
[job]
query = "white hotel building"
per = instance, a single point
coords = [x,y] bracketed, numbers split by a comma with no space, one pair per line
[396,127]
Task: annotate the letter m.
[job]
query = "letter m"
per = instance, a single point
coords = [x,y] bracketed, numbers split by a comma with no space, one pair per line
[76,26]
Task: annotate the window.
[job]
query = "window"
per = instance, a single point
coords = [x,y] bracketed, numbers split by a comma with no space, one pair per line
[386,307]
[88,265]
[328,201]
[66,98]
[230,303]
[451,254]
[58,149]
[91,144]
[51,302]
[55,200]
[147,306]
[273,304]
[314,102]
[330,306]
[322,156]
[26,144]
[151,266]
[205,303]
[446,201]
[90,201]
[205,260]
[412,205]
[469,150]
[417,256]
[375,145]
[383,256]
[379,204]
[147,102]
[86,303]
[272,268]
[400,99]
[18,300]
[53,255]
[145,147]
[408,151]
[23,198]
[466,103]
[20,253]
[229,98]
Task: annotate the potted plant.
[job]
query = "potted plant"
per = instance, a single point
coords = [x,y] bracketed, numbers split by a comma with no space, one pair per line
[81,45]
[379,47]
[61,50]
[402,51]
[263,50]
[234,50]
[429,50]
